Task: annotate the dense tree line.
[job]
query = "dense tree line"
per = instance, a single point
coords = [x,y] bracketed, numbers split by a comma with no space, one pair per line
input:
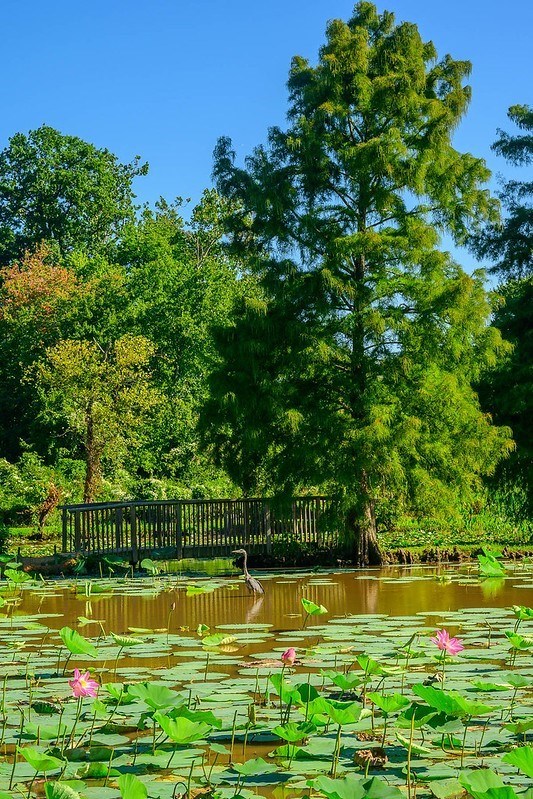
[302,330]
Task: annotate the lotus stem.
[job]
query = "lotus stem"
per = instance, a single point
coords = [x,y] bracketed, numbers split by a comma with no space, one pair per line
[336,752]
[464,740]
[281,695]
[171,756]
[385,719]
[12,775]
[233,727]
[109,767]
[78,714]
[116,661]
[189,780]
[409,751]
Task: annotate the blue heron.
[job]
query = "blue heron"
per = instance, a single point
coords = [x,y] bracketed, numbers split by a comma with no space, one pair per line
[253,585]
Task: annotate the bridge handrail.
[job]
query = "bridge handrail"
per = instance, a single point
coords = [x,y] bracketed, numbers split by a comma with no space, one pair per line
[197,527]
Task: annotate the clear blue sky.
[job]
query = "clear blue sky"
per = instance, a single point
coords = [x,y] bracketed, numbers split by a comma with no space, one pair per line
[165,78]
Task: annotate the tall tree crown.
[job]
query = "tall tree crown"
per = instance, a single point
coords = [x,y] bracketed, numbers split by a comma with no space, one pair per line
[367,337]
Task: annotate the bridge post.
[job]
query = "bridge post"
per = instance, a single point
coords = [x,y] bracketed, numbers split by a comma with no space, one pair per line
[77,531]
[64,527]
[133,534]
[179,532]
[118,529]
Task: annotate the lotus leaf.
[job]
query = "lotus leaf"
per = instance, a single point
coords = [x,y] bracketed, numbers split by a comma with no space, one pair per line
[76,643]
[522,758]
[125,641]
[131,787]
[313,609]
[390,703]
[293,732]
[158,697]
[182,730]
[40,761]
[254,768]
[518,641]
[451,702]
[58,790]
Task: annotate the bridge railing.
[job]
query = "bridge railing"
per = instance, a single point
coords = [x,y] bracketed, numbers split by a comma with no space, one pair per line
[194,527]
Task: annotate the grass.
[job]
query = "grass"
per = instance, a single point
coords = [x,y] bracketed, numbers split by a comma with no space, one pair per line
[24,538]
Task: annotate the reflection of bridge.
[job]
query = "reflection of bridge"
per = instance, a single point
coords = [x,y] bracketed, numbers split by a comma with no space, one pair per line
[196,528]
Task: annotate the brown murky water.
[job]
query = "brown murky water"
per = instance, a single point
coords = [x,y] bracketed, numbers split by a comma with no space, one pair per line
[393,591]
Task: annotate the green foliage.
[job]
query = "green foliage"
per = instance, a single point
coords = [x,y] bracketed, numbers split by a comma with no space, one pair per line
[59,790]
[40,761]
[131,787]
[182,730]
[61,189]
[507,389]
[365,341]
[24,487]
[508,245]
[489,565]
[312,609]
[76,643]
[99,395]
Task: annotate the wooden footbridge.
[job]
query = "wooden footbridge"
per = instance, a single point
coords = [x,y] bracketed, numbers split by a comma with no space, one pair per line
[195,528]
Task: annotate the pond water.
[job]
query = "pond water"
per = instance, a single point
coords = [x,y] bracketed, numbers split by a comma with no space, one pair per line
[392,591]
[214,648]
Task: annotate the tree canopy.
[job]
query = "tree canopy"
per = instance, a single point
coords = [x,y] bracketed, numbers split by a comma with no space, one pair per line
[354,370]
[62,190]
[506,390]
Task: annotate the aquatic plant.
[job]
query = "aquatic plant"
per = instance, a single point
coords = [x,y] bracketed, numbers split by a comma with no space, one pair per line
[82,685]
[179,712]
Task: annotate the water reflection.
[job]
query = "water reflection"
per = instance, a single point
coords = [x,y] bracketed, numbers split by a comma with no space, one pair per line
[391,591]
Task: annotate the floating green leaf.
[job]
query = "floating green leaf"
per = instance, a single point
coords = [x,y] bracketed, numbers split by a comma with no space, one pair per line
[252,768]
[182,730]
[76,643]
[40,761]
[218,639]
[58,790]
[131,787]
[522,758]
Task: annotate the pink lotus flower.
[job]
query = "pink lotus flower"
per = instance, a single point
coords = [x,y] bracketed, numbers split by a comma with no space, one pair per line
[442,640]
[289,656]
[83,685]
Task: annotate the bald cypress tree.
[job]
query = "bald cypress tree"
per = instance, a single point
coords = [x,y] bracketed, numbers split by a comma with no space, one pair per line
[352,370]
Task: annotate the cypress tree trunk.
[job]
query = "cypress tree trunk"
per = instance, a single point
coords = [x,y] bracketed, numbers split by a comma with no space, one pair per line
[366,549]
[361,520]
[361,524]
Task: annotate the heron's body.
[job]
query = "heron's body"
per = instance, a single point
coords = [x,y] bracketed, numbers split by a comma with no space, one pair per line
[253,585]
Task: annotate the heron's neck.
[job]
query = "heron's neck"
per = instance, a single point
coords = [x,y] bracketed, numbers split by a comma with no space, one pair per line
[245,566]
